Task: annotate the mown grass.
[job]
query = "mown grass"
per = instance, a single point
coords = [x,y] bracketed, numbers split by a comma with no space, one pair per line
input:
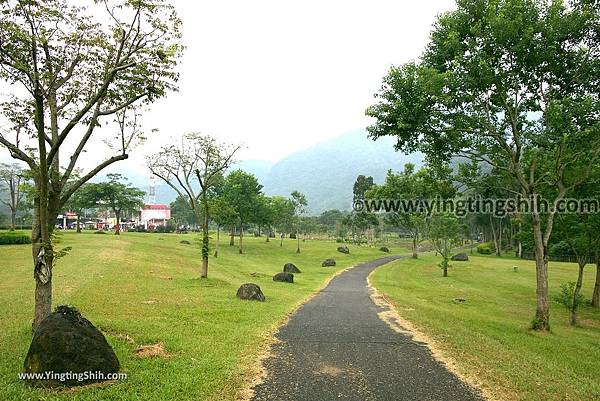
[144,289]
[488,335]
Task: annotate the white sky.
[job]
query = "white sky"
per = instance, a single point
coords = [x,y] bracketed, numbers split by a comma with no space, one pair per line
[279,75]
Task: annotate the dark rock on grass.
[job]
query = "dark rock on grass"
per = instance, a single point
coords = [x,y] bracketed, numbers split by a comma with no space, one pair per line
[384,249]
[328,263]
[460,257]
[66,342]
[460,300]
[185,242]
[284,277]
[291,268]
[250,292]
[343,249]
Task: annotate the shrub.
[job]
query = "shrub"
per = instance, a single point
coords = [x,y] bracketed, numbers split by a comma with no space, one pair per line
[565,296]
[484,249]
[14,238]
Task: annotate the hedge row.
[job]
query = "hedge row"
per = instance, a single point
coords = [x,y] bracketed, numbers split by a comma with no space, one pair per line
[11,238]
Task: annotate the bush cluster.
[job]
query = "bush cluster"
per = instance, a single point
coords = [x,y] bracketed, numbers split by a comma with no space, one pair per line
[485,248]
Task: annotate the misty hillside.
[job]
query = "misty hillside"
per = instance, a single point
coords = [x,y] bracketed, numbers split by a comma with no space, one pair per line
[326,172]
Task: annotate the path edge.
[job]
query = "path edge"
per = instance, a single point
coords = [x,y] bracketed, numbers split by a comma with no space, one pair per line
[390,316]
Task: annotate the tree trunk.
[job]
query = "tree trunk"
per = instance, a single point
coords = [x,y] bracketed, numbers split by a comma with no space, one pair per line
[596,295]
[205,240]
[499,250]
[542,313]
[574,305]
[281,242]
[78,222]
[494,236]
[42,262]
[241,238]
[232,239]
[218,238]
[415,255]
[13,219]
[298,241]
[118,226]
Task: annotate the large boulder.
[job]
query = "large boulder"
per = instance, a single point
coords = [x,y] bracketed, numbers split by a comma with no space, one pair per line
[250,292]
[284,277]
[328,263]
[384,249]
[343,249]
[460,257]
[68,343]
[291,268]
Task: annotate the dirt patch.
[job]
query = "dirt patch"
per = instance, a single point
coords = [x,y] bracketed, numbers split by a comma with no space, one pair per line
[150,302]
[151,351]
[330,370]
[396,322]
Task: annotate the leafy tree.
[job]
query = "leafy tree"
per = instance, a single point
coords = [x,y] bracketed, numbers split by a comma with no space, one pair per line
[513,84]
[193,168]
[445,233]
[116,195]
[83,198]
[299,201]
[243,192]
[78,73]
[582,234]
[283,215]
[12,178]
[182,212]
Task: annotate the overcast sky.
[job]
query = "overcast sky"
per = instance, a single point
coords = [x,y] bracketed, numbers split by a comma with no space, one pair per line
[280,76]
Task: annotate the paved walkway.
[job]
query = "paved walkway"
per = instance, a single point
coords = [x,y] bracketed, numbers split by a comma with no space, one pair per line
[336,348]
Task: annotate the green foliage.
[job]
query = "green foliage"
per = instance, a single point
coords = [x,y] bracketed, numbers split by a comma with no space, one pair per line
[14,238]
[565,296]
[485,248]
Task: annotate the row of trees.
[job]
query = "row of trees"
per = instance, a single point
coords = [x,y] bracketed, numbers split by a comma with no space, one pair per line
[195,169]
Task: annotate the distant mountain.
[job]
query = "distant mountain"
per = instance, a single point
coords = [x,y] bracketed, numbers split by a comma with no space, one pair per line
[326,172]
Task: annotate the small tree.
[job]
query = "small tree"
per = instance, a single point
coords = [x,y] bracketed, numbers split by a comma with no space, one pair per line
[83,198]
[283,215]
[299,201]
[116,195]
[242,191]
[192,169]
[445,233]
[12,177]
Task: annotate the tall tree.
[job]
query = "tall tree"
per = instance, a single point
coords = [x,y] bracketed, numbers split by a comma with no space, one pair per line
[192,169]
[80,68]
[299,202]
[511,83]
[115,194]
[12,177]
[242,191]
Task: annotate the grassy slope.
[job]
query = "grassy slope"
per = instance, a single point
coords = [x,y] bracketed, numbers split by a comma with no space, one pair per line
[208,332]
[488,335]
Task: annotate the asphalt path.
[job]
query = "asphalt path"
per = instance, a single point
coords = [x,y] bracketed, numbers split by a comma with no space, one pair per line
[336,347]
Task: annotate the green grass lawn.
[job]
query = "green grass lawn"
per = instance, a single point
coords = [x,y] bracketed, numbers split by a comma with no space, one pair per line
[488,336]
[142,289]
